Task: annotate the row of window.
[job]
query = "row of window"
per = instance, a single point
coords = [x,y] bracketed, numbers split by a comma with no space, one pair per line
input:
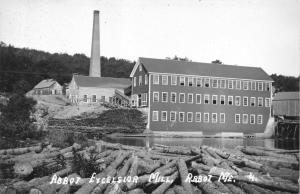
[204,82]
[215,117]
[140,80]
[188,117]
[248,118]
[93,98]
[211,99]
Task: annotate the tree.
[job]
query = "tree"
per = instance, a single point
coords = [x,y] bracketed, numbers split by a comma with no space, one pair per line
[179,58]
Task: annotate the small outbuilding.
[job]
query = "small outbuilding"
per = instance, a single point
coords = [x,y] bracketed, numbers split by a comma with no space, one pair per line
[48,87]
[286,104]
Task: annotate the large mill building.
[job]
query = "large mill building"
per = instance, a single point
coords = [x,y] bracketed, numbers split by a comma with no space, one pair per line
[186,96]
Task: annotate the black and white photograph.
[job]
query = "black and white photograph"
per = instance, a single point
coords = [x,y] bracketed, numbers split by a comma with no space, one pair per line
[149,97]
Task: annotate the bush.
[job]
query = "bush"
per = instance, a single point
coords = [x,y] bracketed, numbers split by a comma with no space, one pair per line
[15,120]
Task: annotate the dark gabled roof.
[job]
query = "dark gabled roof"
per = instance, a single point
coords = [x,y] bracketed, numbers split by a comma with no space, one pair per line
[286,96]
[203,69]
[101,82]
[45,83]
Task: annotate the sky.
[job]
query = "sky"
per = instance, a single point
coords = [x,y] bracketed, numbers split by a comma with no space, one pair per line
[260,33]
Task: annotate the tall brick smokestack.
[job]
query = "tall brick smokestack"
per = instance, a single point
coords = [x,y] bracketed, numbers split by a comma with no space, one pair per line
[95,65]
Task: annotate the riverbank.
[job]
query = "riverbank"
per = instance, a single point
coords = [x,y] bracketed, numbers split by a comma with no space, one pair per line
[157,169]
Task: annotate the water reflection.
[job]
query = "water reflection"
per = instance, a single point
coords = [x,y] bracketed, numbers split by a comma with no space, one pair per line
[228,143]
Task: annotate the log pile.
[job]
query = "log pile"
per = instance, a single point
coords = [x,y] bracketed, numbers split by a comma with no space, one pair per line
[160,169]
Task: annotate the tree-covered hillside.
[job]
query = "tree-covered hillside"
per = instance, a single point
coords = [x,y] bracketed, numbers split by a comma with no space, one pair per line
[26,67]
[22,68]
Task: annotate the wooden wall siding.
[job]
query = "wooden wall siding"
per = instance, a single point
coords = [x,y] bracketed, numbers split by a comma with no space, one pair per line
[140,89]
[286,108]
[230,111]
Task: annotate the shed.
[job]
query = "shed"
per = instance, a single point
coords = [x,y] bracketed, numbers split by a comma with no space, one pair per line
[47,87]
[286,104]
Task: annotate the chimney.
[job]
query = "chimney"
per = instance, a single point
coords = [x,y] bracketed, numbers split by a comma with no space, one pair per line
[95,65]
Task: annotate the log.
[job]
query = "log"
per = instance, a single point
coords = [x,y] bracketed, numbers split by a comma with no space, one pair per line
[183,171]
[216,171]
[234,189]
[164,186]
[136,191]
[50,188]
[200,166]
[24,186]
[257,152]
[268,182]
[89,187]
[121,173]
[222,187]
[248,188]
[19,151]
[179,189]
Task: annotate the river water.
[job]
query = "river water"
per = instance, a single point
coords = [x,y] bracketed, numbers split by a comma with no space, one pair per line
[228,143]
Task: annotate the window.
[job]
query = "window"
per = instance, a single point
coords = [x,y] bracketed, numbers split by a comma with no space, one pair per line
[245,85]
[174,80]
[94,99]
[214,83]
[102,98]
[198,98]
[198,117]
[268,86]
[259,119]
[190,98]
[260,86]
[164,79]
[163,115]
[191,81]
[252,101]
[140,80]
[267,102]
[245,101]
[172,116]
[214,99]
[146,79]
[156,79]
[237,101]
[230,84]
[181,116]
[230,100]
[164,97]
[238,84]
[214,118]
[222,83]
[237,118]
[206,117]
[134,81]
[140,68]
[182,80]
[154,115]
[173,97]
[259,101]
[144,99]
[181,97]
[222,117]
[245,118]
[207,82]
[155,96]
[222,100]
[189,117]
[252,119]
[253,85]
[199,82]
[84,98]
[206,99]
